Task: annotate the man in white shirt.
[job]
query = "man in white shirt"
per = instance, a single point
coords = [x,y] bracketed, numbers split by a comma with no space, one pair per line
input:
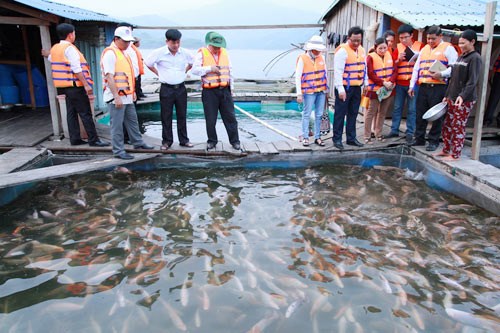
[171,63]
[432,85]
[119,93]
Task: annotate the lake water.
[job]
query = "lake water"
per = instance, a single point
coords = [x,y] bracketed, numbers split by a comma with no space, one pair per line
[310,249]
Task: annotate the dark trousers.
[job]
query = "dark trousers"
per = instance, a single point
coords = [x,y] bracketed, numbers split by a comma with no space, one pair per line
[138,87]
[170,96]
[215,100]
[428,96]
[78,104]
[348,108]
[493,100]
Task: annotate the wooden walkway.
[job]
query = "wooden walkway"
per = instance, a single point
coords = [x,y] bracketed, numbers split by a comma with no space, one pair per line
[263,97]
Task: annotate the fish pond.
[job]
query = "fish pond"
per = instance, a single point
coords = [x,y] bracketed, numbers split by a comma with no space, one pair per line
[326,248]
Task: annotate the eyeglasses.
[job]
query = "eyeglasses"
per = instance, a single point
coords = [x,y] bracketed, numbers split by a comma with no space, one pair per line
[404,37]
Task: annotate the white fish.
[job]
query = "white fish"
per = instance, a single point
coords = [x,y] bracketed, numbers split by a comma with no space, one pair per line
[197,318]
[386,286]
[174,316]
[205,299]
[267,300]
[293,307]
[238,283]
[252,280]
[246,263]
[275,258]
[184,294]
[450,282]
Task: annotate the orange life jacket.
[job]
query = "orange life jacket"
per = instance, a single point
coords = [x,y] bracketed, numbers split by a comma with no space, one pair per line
[405,68]
[139,59]
[496,68]
[427,57]
[62,74]
[124,71]
[313,75]
[382,67]
[355,69]
[213,80]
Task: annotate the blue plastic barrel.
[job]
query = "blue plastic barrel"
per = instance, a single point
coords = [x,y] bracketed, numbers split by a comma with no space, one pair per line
[6,75]
[10,94]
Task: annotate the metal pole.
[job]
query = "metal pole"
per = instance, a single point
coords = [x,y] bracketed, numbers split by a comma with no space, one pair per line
[489,26]
[265,124]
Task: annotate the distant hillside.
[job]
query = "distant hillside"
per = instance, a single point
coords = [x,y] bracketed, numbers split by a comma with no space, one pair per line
[257,12]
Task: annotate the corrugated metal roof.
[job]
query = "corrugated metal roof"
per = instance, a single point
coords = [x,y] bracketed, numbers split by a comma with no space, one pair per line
[424,13]
[70,12]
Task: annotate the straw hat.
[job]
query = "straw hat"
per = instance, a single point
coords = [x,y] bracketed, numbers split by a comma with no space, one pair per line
[315,43]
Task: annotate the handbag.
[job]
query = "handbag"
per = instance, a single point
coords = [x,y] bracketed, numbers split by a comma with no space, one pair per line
[325,126]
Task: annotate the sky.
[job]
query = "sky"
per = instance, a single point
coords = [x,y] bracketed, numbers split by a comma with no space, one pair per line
[130,8]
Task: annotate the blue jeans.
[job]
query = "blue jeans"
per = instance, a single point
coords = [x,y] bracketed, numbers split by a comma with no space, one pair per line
[316,101]
[399,104]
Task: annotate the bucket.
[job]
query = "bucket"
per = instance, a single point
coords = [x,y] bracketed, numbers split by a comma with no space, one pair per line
[9,94]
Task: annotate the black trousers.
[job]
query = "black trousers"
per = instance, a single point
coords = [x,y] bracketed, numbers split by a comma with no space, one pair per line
[171,96]
[78,104]
[346,111]
[138,86]
[428,96]
[215,100]
[493,100]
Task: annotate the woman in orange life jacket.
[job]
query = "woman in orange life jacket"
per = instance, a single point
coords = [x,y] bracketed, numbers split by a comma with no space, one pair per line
[380,73]
[311,84]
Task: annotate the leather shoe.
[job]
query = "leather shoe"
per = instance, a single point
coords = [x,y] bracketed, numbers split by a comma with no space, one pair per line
[431,147]
[393,135]
[211,145]
[99,143]
[338,145]
[236,146]
[144,146]
[187,144]
[414,143]
[355,142]
[124,156]
[78,142]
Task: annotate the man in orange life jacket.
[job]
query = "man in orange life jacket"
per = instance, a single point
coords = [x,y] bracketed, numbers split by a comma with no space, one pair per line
[349,73]
[71,76]
[311,84]
[119,93]
[404,69]
[432,85]
[213,65]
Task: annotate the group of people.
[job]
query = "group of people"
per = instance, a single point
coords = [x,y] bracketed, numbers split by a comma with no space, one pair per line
[122,66]
[405,73]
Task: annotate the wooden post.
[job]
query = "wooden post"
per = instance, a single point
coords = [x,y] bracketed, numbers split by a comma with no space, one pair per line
[28,67]
[54,111]
[489,25]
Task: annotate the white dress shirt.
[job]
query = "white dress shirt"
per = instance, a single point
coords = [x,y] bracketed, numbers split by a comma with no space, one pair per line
[108,67]
[200,70]
[171,67]
[450,53]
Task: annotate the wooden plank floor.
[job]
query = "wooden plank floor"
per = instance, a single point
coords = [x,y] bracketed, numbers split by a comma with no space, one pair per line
[24,127]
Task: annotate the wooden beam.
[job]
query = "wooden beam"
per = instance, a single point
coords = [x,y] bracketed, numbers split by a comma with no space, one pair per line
[54,110]
[489,26]
[28,67]
[26,10]
[234,27]
[16,20]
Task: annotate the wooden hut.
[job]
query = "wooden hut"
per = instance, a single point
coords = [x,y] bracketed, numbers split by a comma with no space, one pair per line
[27,26]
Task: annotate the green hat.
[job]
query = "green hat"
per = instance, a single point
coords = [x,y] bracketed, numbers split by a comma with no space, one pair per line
[215,39]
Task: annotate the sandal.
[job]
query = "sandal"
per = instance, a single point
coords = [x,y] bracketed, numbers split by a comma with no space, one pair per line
[165,146]
[319,142]
[305,142]
[368,142]
[381,139]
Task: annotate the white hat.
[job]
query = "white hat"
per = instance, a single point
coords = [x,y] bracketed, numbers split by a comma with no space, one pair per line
[124,33]
[315,43]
